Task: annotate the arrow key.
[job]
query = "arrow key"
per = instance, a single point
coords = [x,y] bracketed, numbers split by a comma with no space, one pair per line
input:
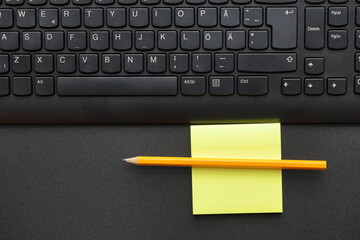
[314,86]
[291,86]
[336,86]
[314,66]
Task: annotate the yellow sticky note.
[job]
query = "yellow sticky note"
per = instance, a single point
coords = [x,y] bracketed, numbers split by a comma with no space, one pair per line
[226,191]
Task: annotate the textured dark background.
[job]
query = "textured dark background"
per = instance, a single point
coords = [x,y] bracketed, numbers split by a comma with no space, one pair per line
[67,182]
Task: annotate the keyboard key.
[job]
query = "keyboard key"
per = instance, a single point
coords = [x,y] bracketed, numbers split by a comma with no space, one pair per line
[88,63]
[22,86]
[201,62]
[190,40]
[235,40]
[117,86]
[172,2]
[357,84]
[337,39]
[31,41]
[121,40]
[338,1]
[14,2]
[6,18]
[66,63]
[221,85]
[54,41]
[291,86]
[93,17]
[357,62]
[338,16]
[230,17]
[134,63]
[253,17]
[284,27]
[25,18]
[99,40]
[267,62]
[276,1]
[156,63]
[224,62]
[218,1]
[314,66]
[21,63]
[70,18]
[82,2]
[253,85]
[150,2]
[36,2]
[315,1]
[195,1]
[4,63]
[4,86]
[315,27]
[184,17]
[258,40]
[167,40]
[179,63]
[314,86]
[59,2]
[358,16]
[193,85]
[76,40]
[104,2]
[240,1]
[44,63]
[44,86]
[127,2]
[139,17]
[111,63]
[212,40]
[144,40]
[9,41]
[161,17]
[207,17]
[357,39]
[116,17]
[336,86]
[48,18]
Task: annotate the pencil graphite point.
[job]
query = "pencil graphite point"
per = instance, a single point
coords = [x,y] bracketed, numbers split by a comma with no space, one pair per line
[131,160]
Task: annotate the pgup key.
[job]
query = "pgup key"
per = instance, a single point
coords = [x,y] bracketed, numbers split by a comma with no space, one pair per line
[284,27]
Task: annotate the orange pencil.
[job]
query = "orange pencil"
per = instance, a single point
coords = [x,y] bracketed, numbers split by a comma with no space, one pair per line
[228,163]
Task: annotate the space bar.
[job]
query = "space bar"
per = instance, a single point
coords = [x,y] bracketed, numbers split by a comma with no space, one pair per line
[117,86]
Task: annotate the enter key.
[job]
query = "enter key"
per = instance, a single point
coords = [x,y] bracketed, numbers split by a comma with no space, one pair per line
[284,27]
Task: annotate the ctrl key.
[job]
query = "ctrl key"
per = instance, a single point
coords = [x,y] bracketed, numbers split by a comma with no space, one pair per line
[253,85]
[4,86]
[193,85]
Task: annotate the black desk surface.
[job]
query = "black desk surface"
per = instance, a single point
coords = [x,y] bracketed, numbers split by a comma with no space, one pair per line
[67,182]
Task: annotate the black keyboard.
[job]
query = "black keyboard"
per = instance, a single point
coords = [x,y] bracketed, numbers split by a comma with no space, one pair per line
[179,61]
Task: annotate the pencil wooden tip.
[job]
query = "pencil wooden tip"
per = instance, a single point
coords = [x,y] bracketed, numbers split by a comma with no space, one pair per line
[133,160]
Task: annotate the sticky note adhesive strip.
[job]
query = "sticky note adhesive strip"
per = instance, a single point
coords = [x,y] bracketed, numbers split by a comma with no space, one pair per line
[229,191]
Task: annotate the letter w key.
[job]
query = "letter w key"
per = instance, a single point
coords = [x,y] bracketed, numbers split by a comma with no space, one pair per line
[25,18]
